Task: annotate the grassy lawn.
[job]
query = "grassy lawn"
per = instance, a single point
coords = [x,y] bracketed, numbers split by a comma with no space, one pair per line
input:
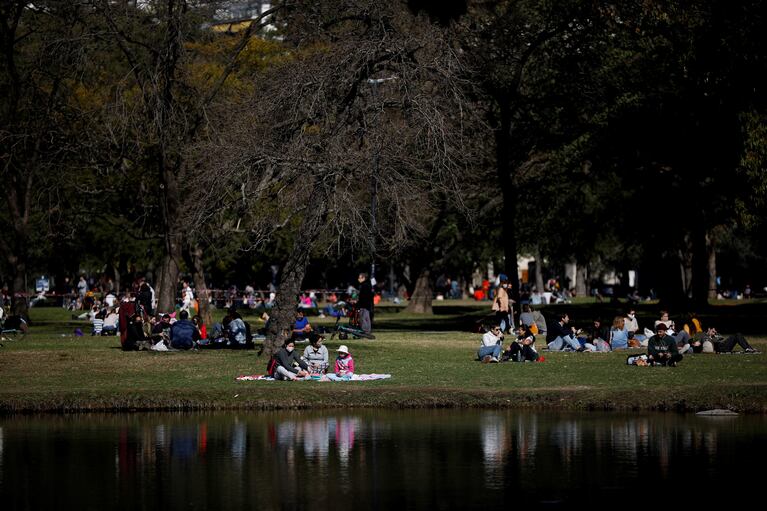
[431,361]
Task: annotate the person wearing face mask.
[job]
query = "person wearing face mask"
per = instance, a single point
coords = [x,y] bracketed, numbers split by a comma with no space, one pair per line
[289,364]
[632,327]
[502,305]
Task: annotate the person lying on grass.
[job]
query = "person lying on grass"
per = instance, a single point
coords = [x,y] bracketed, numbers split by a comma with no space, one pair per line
[289,364]
[491,345]
[712,342]
[662,348]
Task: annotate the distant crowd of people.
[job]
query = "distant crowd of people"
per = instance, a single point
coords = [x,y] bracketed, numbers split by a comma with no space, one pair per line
[665,343]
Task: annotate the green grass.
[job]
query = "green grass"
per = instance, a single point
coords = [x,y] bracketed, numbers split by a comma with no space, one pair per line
[432,366]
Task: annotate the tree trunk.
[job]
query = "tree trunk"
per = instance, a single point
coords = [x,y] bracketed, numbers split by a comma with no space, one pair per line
[200,286]
[283,314]
[173,238]
[700,269]
[420,301]
[711,268]
[166,294]
[581,280]
[503,144]
[538,270]
[19,302]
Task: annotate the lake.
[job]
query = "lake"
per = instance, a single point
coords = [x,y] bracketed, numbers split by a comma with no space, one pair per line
[476,459]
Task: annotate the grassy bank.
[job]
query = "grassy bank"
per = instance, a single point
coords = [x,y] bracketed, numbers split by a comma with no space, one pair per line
[51,370]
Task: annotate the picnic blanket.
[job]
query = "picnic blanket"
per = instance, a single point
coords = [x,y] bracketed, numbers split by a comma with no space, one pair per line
[356,377]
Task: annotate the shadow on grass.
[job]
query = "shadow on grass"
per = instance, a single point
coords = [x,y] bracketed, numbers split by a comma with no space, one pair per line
[745,317]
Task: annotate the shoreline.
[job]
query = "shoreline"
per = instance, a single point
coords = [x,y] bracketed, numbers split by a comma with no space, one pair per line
[744,399]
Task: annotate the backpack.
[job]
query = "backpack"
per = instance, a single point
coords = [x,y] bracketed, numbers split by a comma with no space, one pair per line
[271,366]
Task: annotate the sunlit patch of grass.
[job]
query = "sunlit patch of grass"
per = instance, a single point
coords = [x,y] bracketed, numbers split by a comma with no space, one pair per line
[430,368]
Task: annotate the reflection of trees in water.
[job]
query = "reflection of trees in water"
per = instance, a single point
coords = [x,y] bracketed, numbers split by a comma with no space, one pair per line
[566,436]
[445,458]
[495,445]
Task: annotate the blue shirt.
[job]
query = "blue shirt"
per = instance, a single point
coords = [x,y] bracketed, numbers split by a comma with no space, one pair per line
[620,338]
[301,323]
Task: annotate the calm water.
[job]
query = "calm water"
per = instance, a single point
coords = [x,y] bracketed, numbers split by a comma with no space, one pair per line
[378,460]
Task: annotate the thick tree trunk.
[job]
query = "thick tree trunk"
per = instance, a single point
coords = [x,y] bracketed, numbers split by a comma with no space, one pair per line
[711,268]
[173,237]
[200,286]
[700,270]
[420,301]
[538,270]
[503,144]
[581,280]
[283,314]
[166,294]
[18,293]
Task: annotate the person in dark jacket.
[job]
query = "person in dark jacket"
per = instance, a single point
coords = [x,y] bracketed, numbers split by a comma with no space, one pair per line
[561,336]
[523,348]
[136,338]
[597,337]
[365,303]
[289,364]
[662,348]
[183,333]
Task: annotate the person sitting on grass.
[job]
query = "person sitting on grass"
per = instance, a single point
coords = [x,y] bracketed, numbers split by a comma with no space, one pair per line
[316,354]
[632,326]
[136,339]
[562,337]
[533,319]
[662,348]
[98,323]
[619,335]
[712,342]
[597,337]
[111,322]
[491,345]
[183,333]
[344,368]
[301,328]
[523,347]
[289,364]
[161,329]
[201,328]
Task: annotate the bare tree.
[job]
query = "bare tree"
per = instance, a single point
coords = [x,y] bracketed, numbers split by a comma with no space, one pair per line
[351,142]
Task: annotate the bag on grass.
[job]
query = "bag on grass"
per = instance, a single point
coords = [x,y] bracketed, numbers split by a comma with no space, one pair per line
[636,360]
[271,366]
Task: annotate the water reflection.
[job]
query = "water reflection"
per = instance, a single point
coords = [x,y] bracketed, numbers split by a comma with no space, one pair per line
[371,459]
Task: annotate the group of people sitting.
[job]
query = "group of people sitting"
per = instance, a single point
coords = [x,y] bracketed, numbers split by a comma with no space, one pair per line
[286,364]
[165,332]
[520,349]
[665,345]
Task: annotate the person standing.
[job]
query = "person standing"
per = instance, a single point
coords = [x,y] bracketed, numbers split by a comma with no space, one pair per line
[502,305]
[365,303]
[187,295]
